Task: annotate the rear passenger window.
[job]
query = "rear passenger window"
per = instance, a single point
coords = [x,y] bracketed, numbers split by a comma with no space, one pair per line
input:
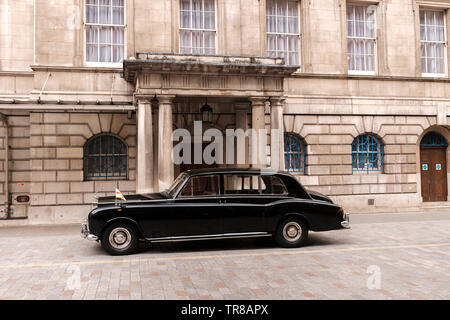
[254,184]
[274,185]
[243,184]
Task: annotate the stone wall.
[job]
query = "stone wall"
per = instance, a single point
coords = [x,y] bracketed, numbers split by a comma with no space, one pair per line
[329,134]
[58,192]
[19,162]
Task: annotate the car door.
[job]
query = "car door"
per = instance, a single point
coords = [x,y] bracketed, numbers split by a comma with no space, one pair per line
[195,211]
[243,204]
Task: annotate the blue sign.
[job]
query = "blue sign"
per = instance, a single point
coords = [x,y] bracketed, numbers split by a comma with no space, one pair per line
[424,167]
[438,166]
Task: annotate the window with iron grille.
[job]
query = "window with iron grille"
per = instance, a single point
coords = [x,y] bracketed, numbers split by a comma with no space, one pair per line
[283,30]
[105,158]
[294,153]
[105,30]
[361,38]
[197,26]
[432,42]
[367,153]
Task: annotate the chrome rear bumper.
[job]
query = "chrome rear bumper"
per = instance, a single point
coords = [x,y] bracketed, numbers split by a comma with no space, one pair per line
[85,232]
[346,223]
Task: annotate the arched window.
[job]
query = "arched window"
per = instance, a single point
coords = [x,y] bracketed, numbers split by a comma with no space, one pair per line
[294,153]
[433,139]
[105,158]
[367,153]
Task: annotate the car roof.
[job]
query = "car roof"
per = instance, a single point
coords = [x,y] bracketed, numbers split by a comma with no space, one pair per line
[231,170]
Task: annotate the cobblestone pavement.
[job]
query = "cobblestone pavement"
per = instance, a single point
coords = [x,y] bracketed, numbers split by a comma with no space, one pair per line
[410,251]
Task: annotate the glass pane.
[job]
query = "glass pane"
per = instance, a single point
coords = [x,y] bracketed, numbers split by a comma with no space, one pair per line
[91,53]
[118,35]
[210,38]
[105,15]
[185,4]
[210,20]
[185,19]
[423,34]
[350,13]
[209,5]
[117,53]
[105,35]
[350,28]
[271,7]
[91,14]
[422,17]
[118,3]
[91,34]
[185,39]
[293,25]
[118,16]
[105,54]
[271,42]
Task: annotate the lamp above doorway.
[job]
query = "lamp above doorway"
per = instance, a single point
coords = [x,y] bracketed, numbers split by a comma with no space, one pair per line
[207,113]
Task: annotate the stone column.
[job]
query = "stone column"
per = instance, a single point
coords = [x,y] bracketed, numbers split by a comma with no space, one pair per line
[144,174]
[277,134]
[241,110]
[165,144]
[258,125]
[155,109]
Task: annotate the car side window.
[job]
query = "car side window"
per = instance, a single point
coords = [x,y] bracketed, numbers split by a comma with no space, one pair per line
[201,186]
[274,185]
[243,184]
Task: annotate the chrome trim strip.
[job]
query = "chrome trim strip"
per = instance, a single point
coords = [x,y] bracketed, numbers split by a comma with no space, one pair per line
[209,236]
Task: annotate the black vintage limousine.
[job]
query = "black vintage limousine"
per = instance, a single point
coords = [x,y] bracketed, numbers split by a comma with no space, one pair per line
[215,203]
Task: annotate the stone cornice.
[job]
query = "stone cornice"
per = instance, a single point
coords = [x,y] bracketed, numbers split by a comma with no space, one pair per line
[196,64]
[297,75]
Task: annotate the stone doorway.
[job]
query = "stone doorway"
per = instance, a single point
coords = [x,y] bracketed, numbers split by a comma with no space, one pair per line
[433,163]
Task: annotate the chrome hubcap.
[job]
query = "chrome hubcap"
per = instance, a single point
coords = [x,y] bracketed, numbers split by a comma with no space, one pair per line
[119,238]
[292,231]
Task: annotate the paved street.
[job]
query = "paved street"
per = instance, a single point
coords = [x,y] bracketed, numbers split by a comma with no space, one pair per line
[383,256]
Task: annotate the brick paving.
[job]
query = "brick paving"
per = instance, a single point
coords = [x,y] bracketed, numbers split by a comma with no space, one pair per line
[413,257]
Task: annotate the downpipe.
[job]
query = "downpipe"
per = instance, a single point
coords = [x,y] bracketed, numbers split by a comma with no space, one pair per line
[7,209]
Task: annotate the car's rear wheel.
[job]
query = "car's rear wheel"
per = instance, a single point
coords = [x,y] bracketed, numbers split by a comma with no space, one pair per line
[292,232]
[120,239]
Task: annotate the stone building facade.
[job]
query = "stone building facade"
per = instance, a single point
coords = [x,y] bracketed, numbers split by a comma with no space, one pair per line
[72,71]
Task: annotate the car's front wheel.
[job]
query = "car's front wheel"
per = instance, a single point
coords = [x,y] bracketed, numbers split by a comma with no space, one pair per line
[120,239]
[291,233]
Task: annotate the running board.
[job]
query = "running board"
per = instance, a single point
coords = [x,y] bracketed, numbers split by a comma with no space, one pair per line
[210,236]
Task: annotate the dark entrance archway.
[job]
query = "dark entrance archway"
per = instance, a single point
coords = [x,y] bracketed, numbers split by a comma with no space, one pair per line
[433,163]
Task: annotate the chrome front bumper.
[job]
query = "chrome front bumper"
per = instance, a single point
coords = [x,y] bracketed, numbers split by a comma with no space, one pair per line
[346,223]
[85,232]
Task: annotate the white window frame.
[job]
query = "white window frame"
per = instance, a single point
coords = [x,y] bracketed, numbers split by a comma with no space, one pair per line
[125,39]
[201,30]
[298,34]
[375,46]
[431,74]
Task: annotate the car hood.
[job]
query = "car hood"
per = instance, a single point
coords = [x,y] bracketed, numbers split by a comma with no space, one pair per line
[319,196]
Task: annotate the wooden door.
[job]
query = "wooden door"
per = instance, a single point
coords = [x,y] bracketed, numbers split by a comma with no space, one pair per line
[433,169]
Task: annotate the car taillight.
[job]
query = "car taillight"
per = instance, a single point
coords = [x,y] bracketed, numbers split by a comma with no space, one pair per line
[22,199]
[342,210]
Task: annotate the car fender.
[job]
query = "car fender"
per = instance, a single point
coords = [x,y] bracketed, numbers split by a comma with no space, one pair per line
[125,219]
[294,214]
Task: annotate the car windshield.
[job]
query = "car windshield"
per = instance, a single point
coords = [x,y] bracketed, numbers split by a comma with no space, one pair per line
[176,185]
